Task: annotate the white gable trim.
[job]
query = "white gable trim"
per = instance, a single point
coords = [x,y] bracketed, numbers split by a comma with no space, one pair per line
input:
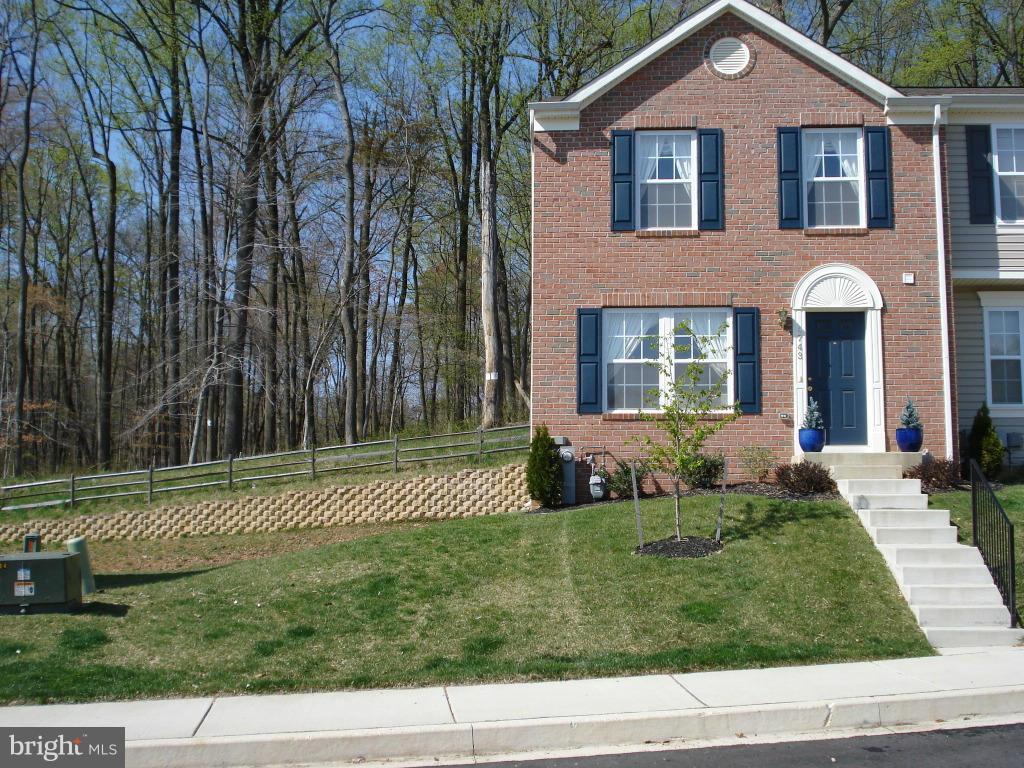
[767,23]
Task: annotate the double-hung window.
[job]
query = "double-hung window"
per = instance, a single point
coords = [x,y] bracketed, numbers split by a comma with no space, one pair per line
[667,180]
[1003,347]
[637,343]
[833,177]
[1008,163]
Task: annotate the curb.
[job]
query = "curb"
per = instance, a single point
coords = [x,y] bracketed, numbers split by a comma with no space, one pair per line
[489,739]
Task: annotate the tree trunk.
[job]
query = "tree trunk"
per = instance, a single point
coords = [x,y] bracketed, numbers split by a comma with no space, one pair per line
[491,407]
[235,348]
[23,280]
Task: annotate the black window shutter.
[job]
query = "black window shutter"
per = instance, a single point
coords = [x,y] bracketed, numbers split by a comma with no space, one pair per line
[710,179]
[979,174]
[623,217]
[878,166]
[588,360]
[791,203]
[746,350]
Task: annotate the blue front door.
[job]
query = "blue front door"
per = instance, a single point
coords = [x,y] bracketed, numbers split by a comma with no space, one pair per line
[835,374]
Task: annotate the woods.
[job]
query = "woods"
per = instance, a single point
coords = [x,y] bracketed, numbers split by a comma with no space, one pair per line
[236,227]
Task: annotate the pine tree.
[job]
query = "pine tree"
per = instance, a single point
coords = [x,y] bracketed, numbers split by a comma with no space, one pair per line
[542,471]
[812,419]
[910,418]
[984,445]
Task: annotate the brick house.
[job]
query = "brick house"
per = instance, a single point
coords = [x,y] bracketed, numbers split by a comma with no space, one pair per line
[819,225]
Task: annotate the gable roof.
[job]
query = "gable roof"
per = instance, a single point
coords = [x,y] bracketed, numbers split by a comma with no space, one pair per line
[558,115]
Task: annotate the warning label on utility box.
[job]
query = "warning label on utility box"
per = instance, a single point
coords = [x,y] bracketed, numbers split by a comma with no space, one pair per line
[24,589]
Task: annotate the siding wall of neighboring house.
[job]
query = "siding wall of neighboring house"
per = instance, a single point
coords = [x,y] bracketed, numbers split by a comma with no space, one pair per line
[975,246]
[579,262]
[970,368]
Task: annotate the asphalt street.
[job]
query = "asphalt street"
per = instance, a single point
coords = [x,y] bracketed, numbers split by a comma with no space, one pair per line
[992,747]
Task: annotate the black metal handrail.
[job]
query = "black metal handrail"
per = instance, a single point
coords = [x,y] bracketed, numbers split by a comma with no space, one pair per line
[993,536]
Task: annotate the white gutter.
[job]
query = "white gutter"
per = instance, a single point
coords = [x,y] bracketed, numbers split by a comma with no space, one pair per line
[940,233]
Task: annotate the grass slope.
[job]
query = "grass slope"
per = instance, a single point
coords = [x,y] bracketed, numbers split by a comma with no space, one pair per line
[501,598]
[1012,498]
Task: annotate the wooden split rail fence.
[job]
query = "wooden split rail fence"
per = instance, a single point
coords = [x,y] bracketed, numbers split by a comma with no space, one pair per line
[247,471]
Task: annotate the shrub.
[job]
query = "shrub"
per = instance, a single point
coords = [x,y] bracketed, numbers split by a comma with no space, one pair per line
[805,478]
[704,471]
[543,475]
[983,443]
[620,481]
[942,474]
[757,462]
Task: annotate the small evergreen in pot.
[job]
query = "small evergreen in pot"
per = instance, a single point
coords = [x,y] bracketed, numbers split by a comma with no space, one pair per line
[910,436]
[812,434]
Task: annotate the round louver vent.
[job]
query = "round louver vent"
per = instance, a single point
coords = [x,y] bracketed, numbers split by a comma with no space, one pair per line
[729,55]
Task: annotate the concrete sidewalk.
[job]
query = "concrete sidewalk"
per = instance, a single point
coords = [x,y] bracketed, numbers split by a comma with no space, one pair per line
[480,721]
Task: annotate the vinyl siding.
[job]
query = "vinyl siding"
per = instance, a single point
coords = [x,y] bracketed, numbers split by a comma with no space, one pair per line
[970,366]
[974,246]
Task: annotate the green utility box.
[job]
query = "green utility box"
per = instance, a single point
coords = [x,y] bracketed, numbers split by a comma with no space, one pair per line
[40,581]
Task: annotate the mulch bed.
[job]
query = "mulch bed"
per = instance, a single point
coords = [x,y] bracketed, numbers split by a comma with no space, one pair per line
[688,546]
[768,490]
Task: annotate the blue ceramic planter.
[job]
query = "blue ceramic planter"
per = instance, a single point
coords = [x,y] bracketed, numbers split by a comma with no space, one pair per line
[909,439]
[812,440]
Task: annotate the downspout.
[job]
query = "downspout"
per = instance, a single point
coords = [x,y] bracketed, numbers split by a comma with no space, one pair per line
[533,272]
[940,233]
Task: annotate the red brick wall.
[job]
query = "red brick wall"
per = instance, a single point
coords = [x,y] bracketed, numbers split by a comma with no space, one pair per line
[579,262]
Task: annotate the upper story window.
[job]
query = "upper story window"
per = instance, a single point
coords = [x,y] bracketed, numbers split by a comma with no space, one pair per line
[1008,163]
[666,192]
[637,342]
[833,179]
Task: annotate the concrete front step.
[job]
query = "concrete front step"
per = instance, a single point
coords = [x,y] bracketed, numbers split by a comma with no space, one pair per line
[972,637]
[962,616]
[944,594]
[913,536]
[887,500]
[874,459]
[856,487]
[944,575]
[943,554]
[904,518]
[867,472]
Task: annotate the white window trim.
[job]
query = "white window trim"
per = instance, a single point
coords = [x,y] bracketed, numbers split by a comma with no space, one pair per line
[804,178]
[694,165]
[666,333]
[1006,226]
[999,300]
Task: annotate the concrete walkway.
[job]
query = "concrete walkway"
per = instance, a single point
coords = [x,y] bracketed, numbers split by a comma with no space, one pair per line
[482,721]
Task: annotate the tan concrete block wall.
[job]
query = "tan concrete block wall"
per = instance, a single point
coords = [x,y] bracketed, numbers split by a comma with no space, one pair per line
[469,493]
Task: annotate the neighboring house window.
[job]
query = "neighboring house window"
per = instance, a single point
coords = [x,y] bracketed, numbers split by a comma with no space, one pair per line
[1008,162]
[636,341]
[833,181]
[1003,332]
[667,190]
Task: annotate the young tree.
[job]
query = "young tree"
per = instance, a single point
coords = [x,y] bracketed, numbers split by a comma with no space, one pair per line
[692,410]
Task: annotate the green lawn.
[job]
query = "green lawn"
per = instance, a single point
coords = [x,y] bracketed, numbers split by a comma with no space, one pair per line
[1012,498]
[508,597]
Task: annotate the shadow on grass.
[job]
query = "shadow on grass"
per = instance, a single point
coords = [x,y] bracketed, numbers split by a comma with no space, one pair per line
[776,515]
[120,580]
[100,608]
